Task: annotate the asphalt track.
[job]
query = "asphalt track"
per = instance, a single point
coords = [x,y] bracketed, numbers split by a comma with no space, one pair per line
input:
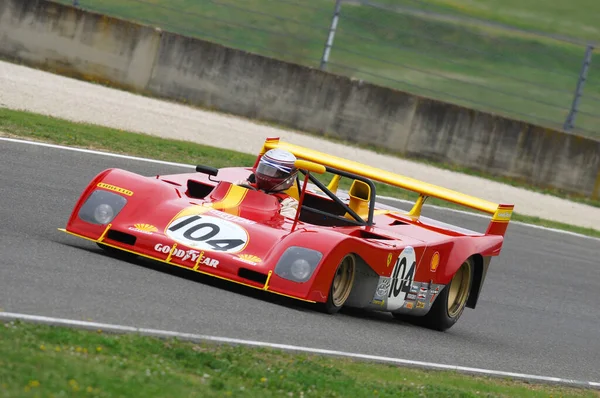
[538,313]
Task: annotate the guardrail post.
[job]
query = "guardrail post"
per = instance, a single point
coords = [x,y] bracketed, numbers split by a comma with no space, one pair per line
[587,60]
[330,37]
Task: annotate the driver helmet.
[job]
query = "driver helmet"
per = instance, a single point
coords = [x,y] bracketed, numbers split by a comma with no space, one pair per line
[276,171]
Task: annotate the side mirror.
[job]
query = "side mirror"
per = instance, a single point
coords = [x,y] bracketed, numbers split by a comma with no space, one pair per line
[211,171]
[310,166]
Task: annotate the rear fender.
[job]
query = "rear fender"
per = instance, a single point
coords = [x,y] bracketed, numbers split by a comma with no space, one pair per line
[463,249]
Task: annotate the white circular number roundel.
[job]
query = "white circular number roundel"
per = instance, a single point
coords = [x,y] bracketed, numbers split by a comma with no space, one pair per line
[208,233]
[401,278]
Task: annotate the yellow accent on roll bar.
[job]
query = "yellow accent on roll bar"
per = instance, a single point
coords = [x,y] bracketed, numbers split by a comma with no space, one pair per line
[310,166]
[334,183]
[380,175]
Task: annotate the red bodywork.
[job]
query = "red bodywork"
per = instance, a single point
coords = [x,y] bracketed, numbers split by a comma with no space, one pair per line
[154,203]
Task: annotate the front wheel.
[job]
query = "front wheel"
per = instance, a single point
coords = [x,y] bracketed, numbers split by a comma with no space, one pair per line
[341,286]
[450,304]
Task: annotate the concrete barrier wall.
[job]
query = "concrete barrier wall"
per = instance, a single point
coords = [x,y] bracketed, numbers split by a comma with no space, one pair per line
[72,42]
[123,54]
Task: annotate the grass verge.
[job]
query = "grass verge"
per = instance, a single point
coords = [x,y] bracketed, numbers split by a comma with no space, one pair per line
[39,360]
[57,131]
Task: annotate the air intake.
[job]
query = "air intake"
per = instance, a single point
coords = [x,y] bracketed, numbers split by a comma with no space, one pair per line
[122,237]
[252,275]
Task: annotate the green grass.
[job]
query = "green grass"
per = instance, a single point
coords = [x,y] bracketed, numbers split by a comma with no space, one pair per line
[575,19]
[43,128]
[39,360]
[472,65]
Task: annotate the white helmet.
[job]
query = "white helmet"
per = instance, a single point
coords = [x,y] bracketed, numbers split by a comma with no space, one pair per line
[276,171]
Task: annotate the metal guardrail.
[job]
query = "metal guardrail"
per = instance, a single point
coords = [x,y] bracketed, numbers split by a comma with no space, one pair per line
[541,78]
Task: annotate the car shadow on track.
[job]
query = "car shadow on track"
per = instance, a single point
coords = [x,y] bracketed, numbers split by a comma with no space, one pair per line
[232,287]
[197,277]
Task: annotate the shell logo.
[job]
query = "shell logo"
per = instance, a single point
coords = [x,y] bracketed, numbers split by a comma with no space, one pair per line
[250,257]
[435,261]
[146,227]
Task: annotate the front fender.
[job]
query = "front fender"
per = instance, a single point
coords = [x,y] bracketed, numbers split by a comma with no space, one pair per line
[137,189]
[333,246]
[86,193]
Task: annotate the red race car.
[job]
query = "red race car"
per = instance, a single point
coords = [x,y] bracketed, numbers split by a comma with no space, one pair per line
[335,248]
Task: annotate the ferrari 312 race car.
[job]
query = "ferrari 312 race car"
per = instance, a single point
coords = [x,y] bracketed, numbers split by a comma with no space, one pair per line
[342,248]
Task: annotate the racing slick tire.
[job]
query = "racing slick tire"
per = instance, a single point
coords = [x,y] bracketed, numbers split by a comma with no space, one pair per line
[341,285]
[451,302]
[120,254]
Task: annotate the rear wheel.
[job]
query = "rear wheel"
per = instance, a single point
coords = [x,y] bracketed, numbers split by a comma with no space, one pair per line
[341,286]
[450,304]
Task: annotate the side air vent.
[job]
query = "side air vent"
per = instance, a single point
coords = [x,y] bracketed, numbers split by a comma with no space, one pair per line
[371,235]
[398,222]
[252,275]
[122,237]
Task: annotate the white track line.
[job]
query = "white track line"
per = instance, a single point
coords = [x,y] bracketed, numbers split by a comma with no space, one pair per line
[92,152]
[7,317]
[140,159]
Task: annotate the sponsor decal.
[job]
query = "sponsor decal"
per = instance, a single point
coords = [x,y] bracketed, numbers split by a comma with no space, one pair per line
[402,279]
[420,304]
[204,232]
[410,296]
[409,305]
[378,302]
[115,189]
[502,215]
[414,288]
[249,258]
[195,256]
[144,228]
[383,287]
[389,259]
[435,261]
[434,294]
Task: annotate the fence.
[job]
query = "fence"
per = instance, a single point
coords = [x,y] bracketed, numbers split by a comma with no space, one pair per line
[542,79]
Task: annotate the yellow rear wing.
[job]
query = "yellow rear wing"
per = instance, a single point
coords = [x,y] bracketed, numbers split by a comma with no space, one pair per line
[501,213]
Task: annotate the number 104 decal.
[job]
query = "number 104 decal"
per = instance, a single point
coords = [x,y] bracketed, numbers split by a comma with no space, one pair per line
[402,278]
[208,233]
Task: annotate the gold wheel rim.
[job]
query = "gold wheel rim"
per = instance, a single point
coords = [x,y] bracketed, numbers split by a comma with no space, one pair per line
[342,281]
[459,289]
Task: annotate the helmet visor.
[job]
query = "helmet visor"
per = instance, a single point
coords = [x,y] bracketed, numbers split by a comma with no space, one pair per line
[271,171]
